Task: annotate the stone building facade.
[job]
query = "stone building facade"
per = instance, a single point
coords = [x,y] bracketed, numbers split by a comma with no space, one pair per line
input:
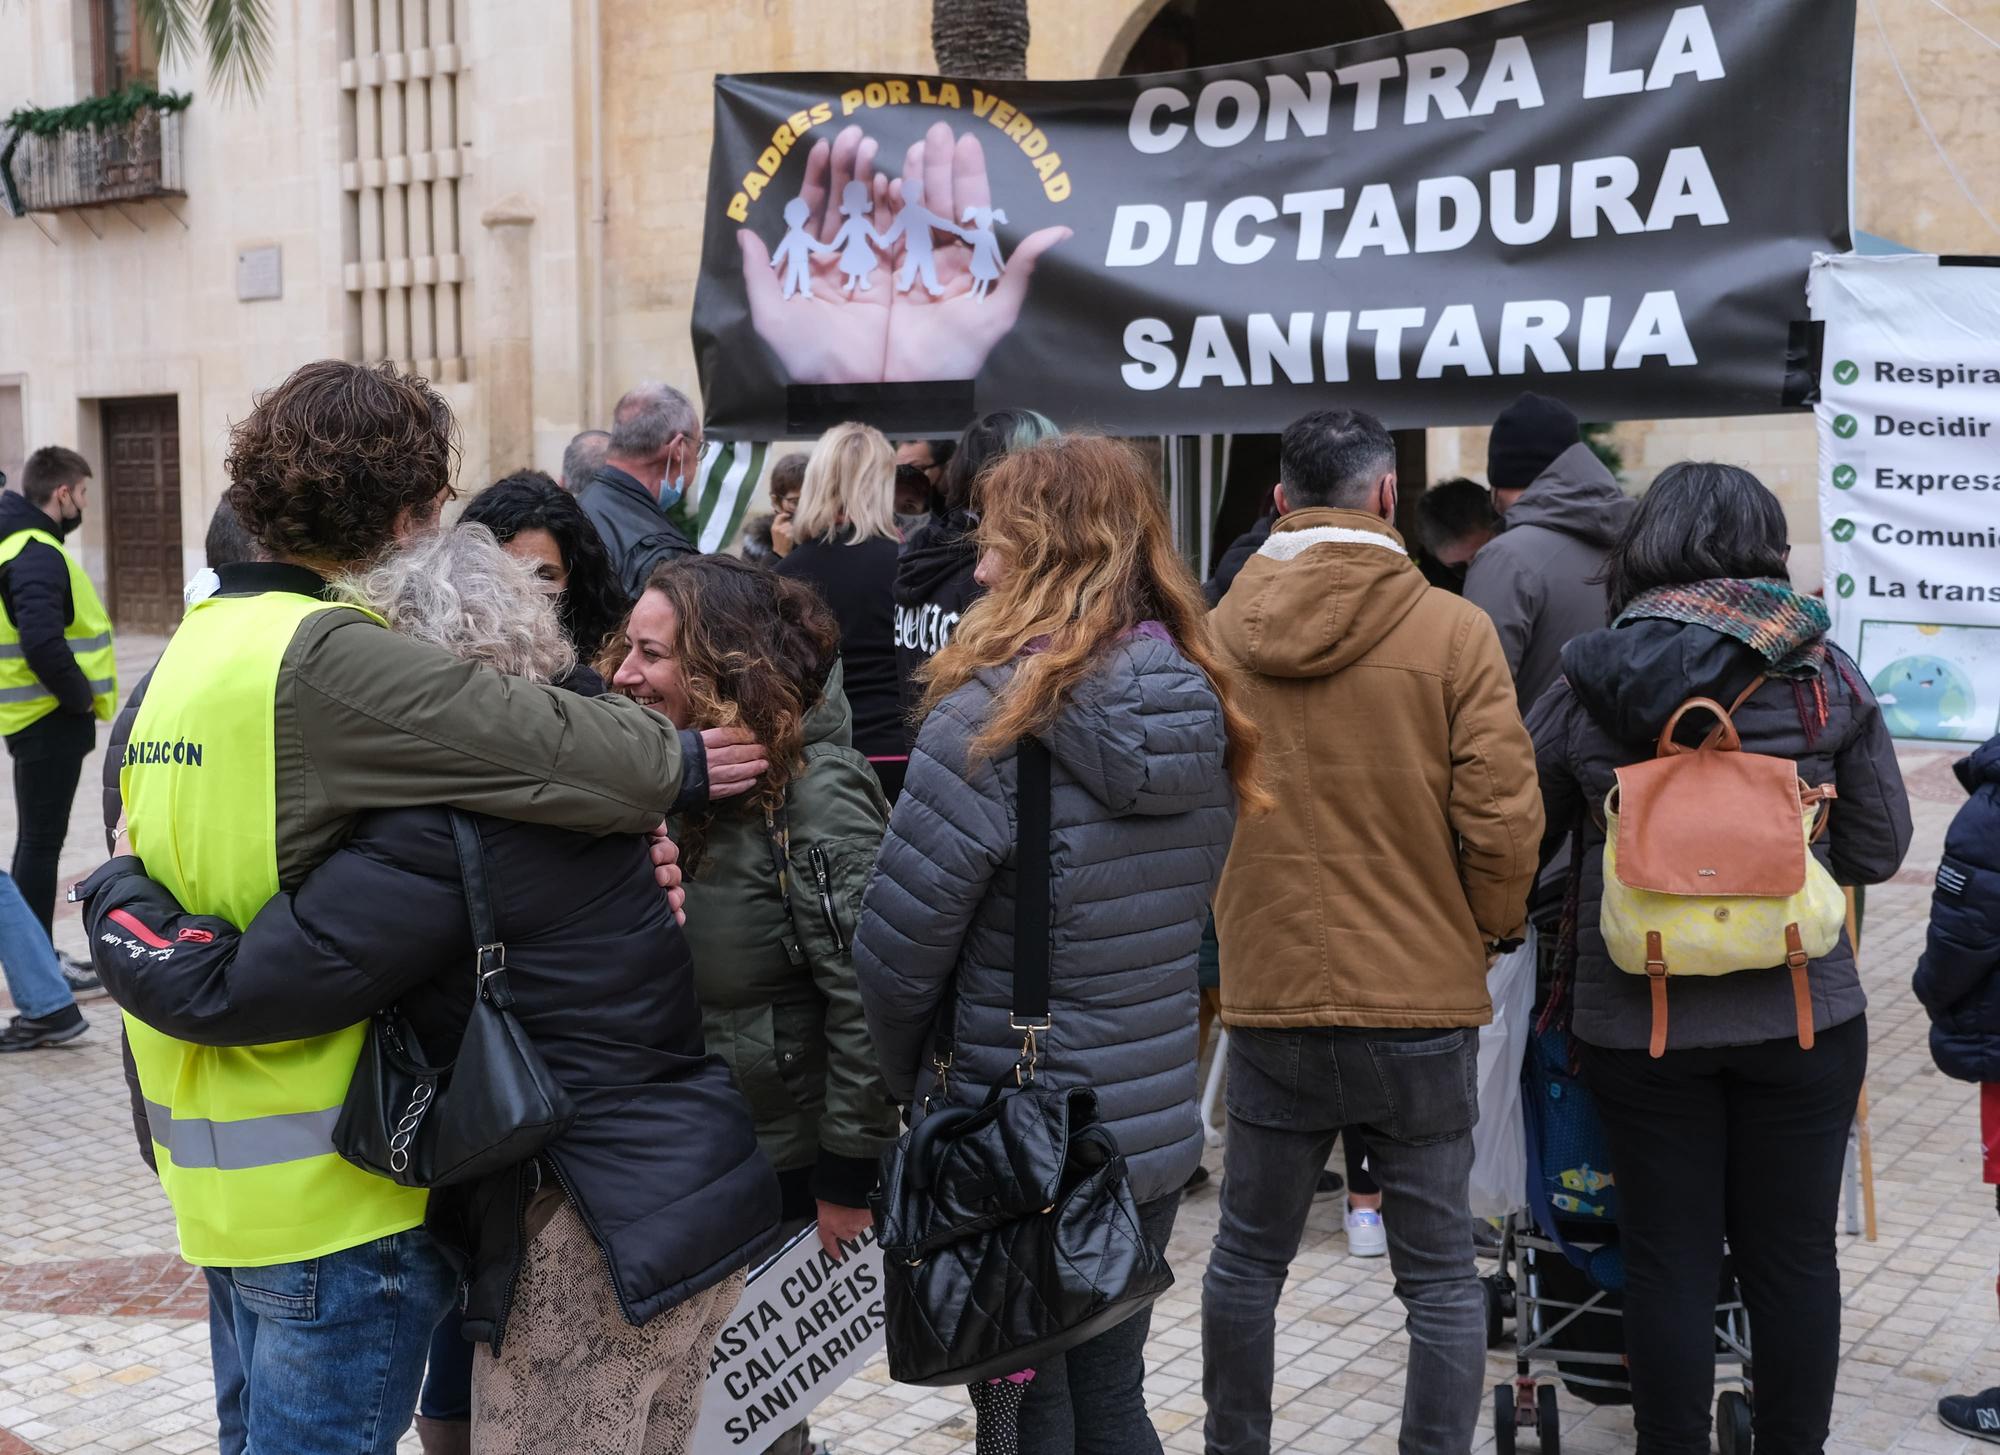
[507,194]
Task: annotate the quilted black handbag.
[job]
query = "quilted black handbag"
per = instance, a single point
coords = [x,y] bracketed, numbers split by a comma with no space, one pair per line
[492,1106]
[1008,1230]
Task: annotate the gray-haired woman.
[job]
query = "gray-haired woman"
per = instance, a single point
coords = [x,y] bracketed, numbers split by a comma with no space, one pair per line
[599,1271]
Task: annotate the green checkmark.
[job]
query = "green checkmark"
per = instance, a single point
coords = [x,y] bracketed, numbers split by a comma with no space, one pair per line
[1843,477]
[1844,425]
[1845,372]
[1844,585]
[1843,530]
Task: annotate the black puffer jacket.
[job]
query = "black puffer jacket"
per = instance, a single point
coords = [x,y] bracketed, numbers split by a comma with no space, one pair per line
[662,1162]
[1619,687]
[1958,978]
[34,592]
[934,587]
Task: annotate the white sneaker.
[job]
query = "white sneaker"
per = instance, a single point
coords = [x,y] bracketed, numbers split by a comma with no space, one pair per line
[1366,1237]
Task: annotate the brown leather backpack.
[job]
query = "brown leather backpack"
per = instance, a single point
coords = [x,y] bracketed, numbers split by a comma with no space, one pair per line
[1708,868]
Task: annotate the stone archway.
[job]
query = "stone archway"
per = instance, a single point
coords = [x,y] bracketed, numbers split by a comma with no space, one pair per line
[1166,35]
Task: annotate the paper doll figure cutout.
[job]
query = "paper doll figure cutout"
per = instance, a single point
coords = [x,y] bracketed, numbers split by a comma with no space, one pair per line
[913,225]
[857,239]
[795,253]
[987,263]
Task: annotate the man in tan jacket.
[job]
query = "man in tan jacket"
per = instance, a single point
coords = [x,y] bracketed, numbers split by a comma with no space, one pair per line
[1356,922]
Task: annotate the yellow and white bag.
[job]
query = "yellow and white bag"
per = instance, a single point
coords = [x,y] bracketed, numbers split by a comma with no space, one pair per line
[1708,866]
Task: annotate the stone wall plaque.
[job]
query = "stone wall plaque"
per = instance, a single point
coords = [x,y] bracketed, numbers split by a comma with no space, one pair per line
[260,274]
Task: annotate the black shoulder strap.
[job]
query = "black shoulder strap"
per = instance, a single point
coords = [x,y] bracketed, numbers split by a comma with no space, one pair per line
[1031,887]
[489,954]
[1032,897]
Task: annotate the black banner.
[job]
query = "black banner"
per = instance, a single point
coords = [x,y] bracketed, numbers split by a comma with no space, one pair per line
[1616,204]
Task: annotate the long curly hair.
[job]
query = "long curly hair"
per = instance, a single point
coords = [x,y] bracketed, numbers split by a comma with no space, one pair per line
[754,650]
[592,604]
[327,461]
[1082,528]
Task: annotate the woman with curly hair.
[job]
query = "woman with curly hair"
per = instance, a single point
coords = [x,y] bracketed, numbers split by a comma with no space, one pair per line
[774,883]
[538,522]
[1092,642]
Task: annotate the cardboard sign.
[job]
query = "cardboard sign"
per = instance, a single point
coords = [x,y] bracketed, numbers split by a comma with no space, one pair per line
[804,1324]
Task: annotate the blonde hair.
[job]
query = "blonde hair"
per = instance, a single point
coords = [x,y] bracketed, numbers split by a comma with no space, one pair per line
[1082,528]
[852,473]
[457,589]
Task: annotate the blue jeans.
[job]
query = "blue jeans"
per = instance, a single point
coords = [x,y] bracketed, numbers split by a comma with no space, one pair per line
[324,1357]
[1091,1400]
[27,958]
[448,1381]
[1289,1093]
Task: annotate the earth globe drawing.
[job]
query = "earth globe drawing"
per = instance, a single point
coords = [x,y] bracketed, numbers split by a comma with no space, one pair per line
[1926,697]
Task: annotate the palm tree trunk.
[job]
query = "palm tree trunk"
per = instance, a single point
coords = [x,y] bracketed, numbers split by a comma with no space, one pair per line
[981,37]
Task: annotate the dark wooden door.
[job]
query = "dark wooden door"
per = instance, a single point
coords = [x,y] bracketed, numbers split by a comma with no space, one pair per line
[142,507]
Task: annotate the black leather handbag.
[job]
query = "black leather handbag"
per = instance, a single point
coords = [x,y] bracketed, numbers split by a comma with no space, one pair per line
[492,1106]
[1008,1230]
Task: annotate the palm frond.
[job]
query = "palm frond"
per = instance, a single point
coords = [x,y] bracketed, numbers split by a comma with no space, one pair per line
[235,36]
[172,25]
[239,43]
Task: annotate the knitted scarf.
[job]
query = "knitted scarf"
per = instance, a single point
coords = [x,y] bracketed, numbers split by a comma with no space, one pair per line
[1784,628]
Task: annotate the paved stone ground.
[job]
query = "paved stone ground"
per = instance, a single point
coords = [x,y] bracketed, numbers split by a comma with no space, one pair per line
[102,1347]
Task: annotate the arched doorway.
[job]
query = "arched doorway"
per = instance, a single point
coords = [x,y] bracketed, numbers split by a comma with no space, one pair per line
[1183,33]
[1180,34]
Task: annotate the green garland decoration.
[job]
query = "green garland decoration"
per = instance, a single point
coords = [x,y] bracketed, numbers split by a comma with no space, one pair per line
[116,109]
[93,113]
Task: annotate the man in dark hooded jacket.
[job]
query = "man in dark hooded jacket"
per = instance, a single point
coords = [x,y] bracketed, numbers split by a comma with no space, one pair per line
[1538,579]
[1958,981]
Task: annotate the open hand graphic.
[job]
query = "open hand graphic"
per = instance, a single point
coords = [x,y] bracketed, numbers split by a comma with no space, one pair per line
[898,327]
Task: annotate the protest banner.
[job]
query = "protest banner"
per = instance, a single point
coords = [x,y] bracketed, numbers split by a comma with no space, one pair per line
[805,1323]
[1614,202]
[1909,483]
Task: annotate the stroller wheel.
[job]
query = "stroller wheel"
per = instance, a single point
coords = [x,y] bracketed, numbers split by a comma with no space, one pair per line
[1499,1304]
[1732,1422]
[1548,1423]
[1503,1419]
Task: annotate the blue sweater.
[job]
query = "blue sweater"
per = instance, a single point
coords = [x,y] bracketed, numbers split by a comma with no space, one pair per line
[1958,978]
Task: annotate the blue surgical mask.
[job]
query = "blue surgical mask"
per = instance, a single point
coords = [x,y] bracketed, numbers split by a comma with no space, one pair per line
[672,492]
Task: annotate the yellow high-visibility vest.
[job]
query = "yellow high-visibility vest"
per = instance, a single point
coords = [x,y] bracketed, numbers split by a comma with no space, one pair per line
[243,1134]
[24,698]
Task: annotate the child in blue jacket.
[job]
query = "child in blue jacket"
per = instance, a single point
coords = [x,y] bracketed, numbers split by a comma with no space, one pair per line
[1958,981]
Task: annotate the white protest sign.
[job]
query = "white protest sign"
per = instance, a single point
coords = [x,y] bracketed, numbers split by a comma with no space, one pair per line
[804,1324]
[1909,484]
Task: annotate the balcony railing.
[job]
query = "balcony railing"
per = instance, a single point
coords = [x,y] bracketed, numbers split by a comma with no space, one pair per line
[95,166]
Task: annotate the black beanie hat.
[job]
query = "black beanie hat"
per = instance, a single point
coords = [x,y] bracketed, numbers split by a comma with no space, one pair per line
[1526,439]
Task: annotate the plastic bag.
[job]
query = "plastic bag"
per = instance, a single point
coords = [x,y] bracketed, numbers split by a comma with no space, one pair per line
[1499,1140]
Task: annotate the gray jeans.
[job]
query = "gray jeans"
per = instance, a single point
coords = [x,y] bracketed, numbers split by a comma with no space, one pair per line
[1289,1093]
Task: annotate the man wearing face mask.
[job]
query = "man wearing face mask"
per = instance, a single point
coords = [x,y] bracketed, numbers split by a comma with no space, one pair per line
[57,671]
[655,445]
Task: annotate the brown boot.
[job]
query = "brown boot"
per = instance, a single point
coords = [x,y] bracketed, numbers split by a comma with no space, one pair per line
[445,1437]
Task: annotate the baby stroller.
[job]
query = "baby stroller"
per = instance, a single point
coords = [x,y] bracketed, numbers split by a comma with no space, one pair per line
[1561,1272]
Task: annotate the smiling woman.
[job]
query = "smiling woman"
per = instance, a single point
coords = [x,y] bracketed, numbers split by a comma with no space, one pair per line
[774,885]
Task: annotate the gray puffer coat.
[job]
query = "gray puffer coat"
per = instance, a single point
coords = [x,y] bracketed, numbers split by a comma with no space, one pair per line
[1141,820]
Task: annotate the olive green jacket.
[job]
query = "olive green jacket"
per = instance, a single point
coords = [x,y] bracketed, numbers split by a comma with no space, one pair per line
[778,994]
